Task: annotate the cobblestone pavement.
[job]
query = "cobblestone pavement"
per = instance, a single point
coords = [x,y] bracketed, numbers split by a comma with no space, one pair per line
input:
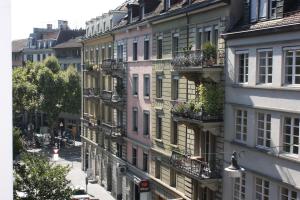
[71,156]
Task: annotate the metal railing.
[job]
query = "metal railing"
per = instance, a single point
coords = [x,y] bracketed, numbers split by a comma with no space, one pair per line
[197,58]
[112,64]
[112,129]
[195,167]
[91,92]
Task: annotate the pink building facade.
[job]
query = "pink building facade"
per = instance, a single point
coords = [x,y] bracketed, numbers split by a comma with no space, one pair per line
[134,47]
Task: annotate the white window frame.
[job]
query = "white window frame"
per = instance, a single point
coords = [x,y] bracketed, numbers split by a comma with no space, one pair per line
[239,188]
[289,195]
[147,89]
[175,35]
[291,135]
[264,195]
[135,84]
[146,112]
[243,135]
[266,67]
[264,130]
[294,50]
[245,67]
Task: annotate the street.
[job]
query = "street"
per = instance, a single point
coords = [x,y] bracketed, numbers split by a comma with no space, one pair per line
[71,156]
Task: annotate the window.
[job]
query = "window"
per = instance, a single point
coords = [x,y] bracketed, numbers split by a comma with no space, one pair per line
[120,52]
[175,43]
[134,48]
[142,11]
[207,35]
[103,53]
[157,169]
[38,57]
[239,188]
[119,150]
[263,130]
[145,162]
[241,125]
[216,36]
[44,56]
[97,56]
[146,85]
[159,87]
[167,4]
[199,39]
[261,189]
[109,52]
[159,47]
[146,122]
[175,87]
[174,135]
[146,50]
[135,119]
[291,135]
[265,66]
[158,126]
[287,194]
[242,67]
[263,9]
[135,84]
[172,178]
[134,158]
[292,66]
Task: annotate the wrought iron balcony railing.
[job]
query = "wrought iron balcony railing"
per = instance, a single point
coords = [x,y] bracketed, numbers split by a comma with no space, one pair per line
[113,67]
[110,96]
[91,92]
[194,167]
[189,60]
[90,67]
[112,129]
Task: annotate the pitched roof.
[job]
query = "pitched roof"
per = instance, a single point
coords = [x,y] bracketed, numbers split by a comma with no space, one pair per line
[288,20]
[72,43]
[18,45]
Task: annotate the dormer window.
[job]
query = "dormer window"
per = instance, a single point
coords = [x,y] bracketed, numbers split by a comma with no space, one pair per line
[129,15]
[167,4]
[263,9]
[142,11]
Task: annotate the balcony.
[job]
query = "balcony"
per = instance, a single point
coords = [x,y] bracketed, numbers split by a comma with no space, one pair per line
[115,68]
[209,61]
[91,68]
[113,130]
[91,92]
[111,98]
[194,167]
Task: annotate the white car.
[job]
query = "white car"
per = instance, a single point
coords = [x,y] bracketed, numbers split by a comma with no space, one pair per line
[80,194]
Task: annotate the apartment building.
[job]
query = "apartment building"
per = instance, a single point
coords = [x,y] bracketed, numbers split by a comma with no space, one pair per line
[103,107]
[262,104]
[17,52]
[187,98]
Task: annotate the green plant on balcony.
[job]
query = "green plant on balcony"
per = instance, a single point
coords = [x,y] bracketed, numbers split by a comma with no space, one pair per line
[209,53]
[211,98]
[88,66]
[119,88]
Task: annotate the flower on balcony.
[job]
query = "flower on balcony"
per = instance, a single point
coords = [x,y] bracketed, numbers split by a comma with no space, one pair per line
[209,53]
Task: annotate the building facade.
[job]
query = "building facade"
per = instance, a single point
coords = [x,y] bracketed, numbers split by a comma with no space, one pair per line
[17,52]
[262,101]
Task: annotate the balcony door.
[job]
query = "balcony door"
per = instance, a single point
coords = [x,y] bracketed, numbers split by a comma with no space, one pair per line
[205,146]
[202,193]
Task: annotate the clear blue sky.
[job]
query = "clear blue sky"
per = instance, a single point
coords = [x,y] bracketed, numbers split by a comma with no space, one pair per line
[27,14]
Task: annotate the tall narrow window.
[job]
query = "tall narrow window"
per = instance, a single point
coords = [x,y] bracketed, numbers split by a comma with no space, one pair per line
[157,169]
[199,40]
[146,85]
[241,125]
[174,133]
[273,9]
[216,36]
[254,11]
[146,50]
[146,123]
[175,87]
[172,178]
[109,52]
[103,54]
[159,86]
[265,66]
[292,66]
[291,135]
[158,126]
[135,119]
[159,47]
[242,67]
[207,35]
[145,162]
[239,188]
[135,50]
[134,156]
[287,194]
[264,130]
[120,52]
[175,43]
[119,150]
[263,9]
[262,189]
[135,84]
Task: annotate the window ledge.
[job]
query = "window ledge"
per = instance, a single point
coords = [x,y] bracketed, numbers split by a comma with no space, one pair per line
[147,97]
[158,140]
[135,95]
[175,146]
[268,87]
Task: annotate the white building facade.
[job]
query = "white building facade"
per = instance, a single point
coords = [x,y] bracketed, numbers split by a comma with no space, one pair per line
[262,103]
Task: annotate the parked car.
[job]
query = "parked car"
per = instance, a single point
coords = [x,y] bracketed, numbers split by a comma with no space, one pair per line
[80,194]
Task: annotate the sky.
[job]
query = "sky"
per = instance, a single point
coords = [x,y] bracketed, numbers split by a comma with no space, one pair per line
[27,14]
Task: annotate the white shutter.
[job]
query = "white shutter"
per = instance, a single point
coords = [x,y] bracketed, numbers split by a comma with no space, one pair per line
[254,5]
[263,5]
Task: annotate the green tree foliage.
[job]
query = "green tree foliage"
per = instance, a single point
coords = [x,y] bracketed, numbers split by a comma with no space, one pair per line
[40,180]
[52,63]
[17,142]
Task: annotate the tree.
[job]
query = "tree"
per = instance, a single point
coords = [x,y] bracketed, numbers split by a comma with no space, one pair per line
[39,179]
[17,142]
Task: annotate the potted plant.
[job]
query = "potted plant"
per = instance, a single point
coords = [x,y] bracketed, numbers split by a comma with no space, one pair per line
[209,53]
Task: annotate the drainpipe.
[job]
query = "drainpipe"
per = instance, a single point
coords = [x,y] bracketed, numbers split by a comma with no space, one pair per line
[187,84]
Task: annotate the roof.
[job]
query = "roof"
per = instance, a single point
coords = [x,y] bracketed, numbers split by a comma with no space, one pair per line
[290,19]
[72,43]
[50,35]
[19,45]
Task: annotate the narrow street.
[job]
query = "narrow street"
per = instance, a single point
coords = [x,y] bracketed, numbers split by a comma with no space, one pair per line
[71,156]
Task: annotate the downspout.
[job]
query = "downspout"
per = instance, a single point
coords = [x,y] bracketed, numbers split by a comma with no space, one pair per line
[187,82]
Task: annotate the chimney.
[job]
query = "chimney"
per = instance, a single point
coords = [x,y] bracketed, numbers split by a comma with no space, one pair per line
[49,26]
[63,25]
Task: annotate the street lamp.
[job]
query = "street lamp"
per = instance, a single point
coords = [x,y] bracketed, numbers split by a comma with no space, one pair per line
[234,170]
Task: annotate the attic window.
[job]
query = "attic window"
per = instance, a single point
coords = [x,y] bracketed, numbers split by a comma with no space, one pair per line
[167,4]
[263,9]
[142,11]
[129,15]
